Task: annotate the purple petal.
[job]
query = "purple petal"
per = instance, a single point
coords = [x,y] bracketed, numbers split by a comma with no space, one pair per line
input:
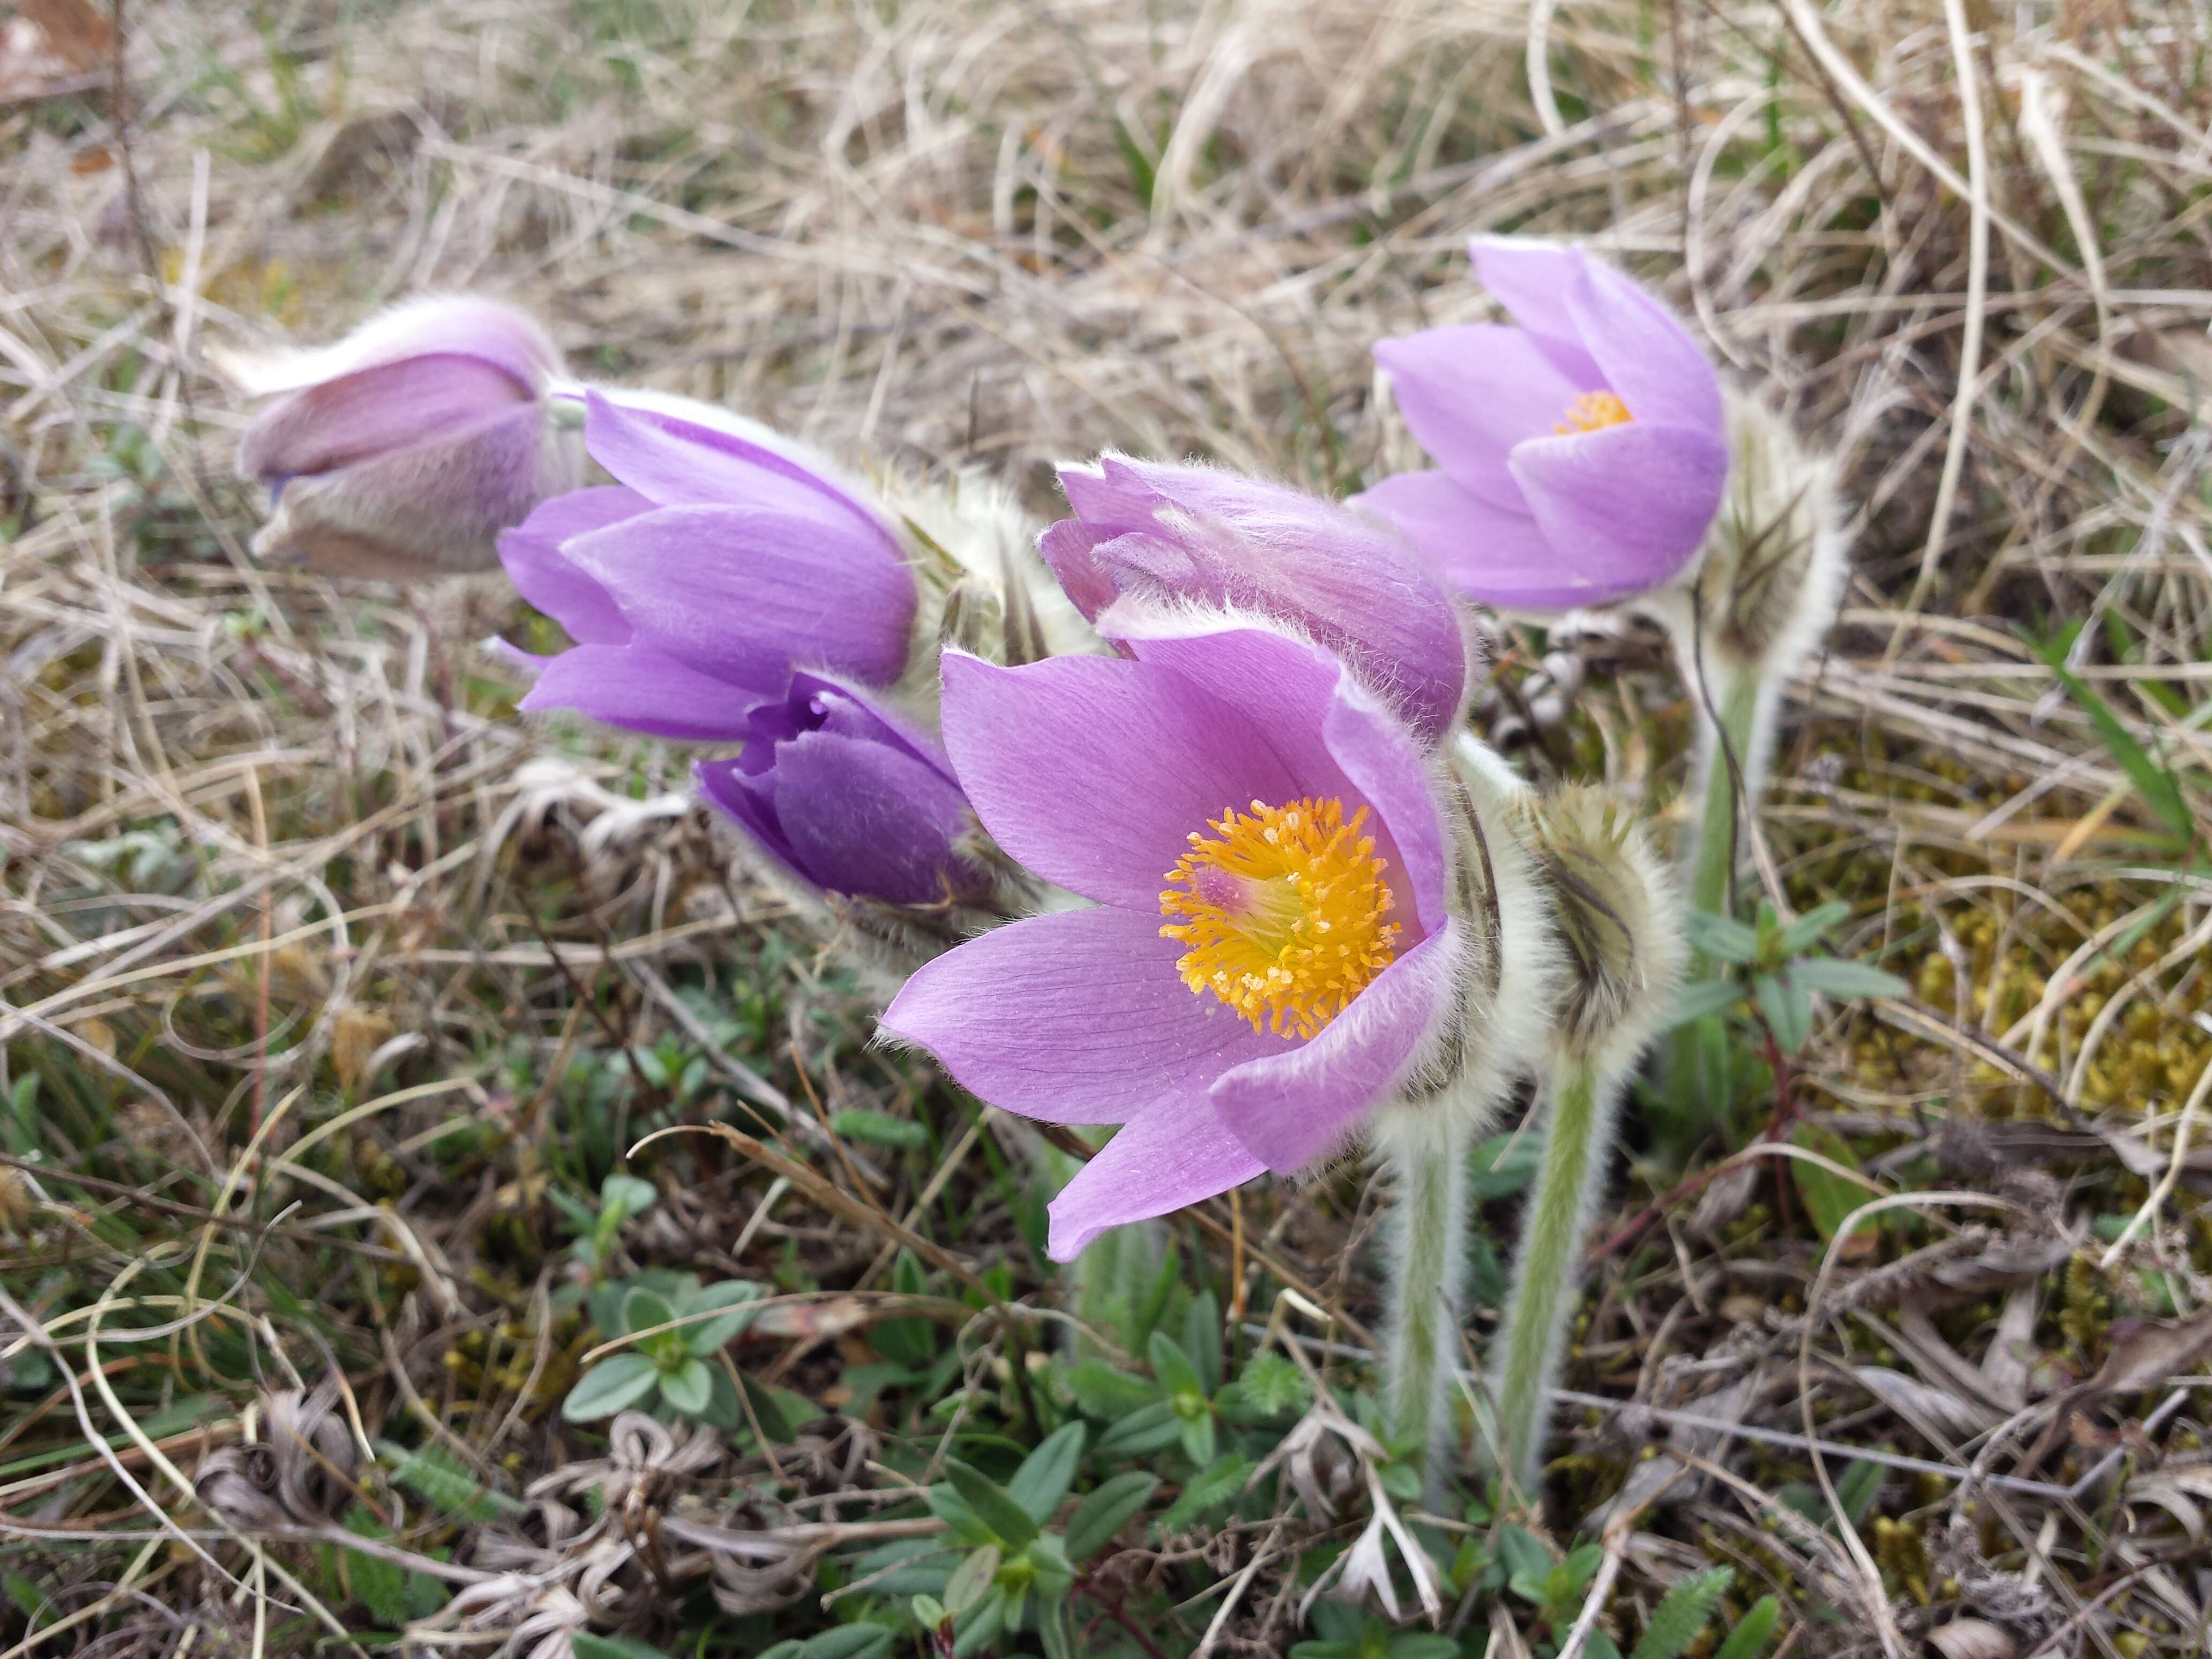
[543,574]
[681,462]
[1290,1110]
[1067,548]
[1469,394]
[866,819]
[432,509]
[372,412]
[1648,358]
[1218,539]
[1175,1154]
[752,804]
[1498,558]
[745,593]
[506,337]
[1532,278]
[1076,1017]
[1093,772]
[1625,505]
[642,691]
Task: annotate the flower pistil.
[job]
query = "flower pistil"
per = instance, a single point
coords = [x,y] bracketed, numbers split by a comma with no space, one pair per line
[1594,411]
[1282,912]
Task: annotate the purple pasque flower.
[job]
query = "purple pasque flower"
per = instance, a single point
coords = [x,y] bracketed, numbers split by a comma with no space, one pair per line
[720,558]
[404,450]
[849,799]
[1144,530]
[1580,456]
[1269,951]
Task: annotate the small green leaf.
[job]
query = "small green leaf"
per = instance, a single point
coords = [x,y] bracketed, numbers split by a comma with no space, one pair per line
[615,1381]
[1216,1485]
[1683,1613]
[586,1644]
[1829,1198]
[880,1129]
[1748,1639]
[622,1196]
[1102,1391]
[1503,1165]
[1198,1438]
[1702,999]
[1174,1368]
[1201,1339]
[1788,1011]
[1154,1428]
[1009,1522]
[929,1612]
[857,1641]
[1272,1385]
[768,1408]
[689,1387]
[1722,938]
[711,1336]
[1046,1473]
[1104,1512]
[971,1578]
[1423,1644]
[1816,925]
[1520,1553]
[1836,977]
[2151,780]
[438,1477]
[643,1309]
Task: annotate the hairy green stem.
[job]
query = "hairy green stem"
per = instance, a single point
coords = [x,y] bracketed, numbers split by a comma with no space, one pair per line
[1713,857]
[1429,1231]
[1577,1138]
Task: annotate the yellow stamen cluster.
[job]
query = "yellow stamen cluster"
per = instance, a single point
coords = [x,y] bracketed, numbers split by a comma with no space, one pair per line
[1282,912]
[1593,411]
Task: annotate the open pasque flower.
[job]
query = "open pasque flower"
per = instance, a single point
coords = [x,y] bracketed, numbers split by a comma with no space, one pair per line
[1271,952]
[404,450]
[1147,531]
[720,559]
[1581,455]
[848,799]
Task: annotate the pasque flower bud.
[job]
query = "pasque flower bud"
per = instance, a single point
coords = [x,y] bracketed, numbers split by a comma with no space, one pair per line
[403,451]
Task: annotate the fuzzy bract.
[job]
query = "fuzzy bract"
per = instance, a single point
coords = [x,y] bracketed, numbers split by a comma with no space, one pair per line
[1580,455]
[1269,951]
[404,450]
[848,799]
[1146,533]
[718,561]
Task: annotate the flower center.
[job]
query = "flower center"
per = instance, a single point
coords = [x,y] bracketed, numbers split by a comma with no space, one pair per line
[1593,411]
[1281,910]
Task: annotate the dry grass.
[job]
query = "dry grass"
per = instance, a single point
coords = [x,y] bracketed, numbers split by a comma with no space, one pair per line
[321,971]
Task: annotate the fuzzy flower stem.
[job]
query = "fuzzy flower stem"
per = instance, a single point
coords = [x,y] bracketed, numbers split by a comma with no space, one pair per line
[1713,859]
[1429,1236]
[1578,1137]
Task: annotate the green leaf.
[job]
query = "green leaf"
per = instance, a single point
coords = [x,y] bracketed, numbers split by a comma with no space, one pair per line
[1836,977]
[438,1477]
[1046,1473]
[1173,1367]
[1520,1553]
[1103,1513]
[1102,1391]
[1154,1428]
[768,1410]
[1201,1339]
[1272,1386]
[1748,1639]
[881,1129]
[1503,1165]
[1787,1010]
[971,1578]
[615,1381]
[1216,1485]
[585,1645]
[859,1641]
[1009,1522]
[950,1507]
[1829,1198]
[379,1585]
[1702,999]
[1198,1438]
[1860,1486]
[710,1336]
[2153,781]
[1423,1644]
[689,1387]
[1677,1619]
[1816,925]
[1722,938]
[643,1309]
[622,1196]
